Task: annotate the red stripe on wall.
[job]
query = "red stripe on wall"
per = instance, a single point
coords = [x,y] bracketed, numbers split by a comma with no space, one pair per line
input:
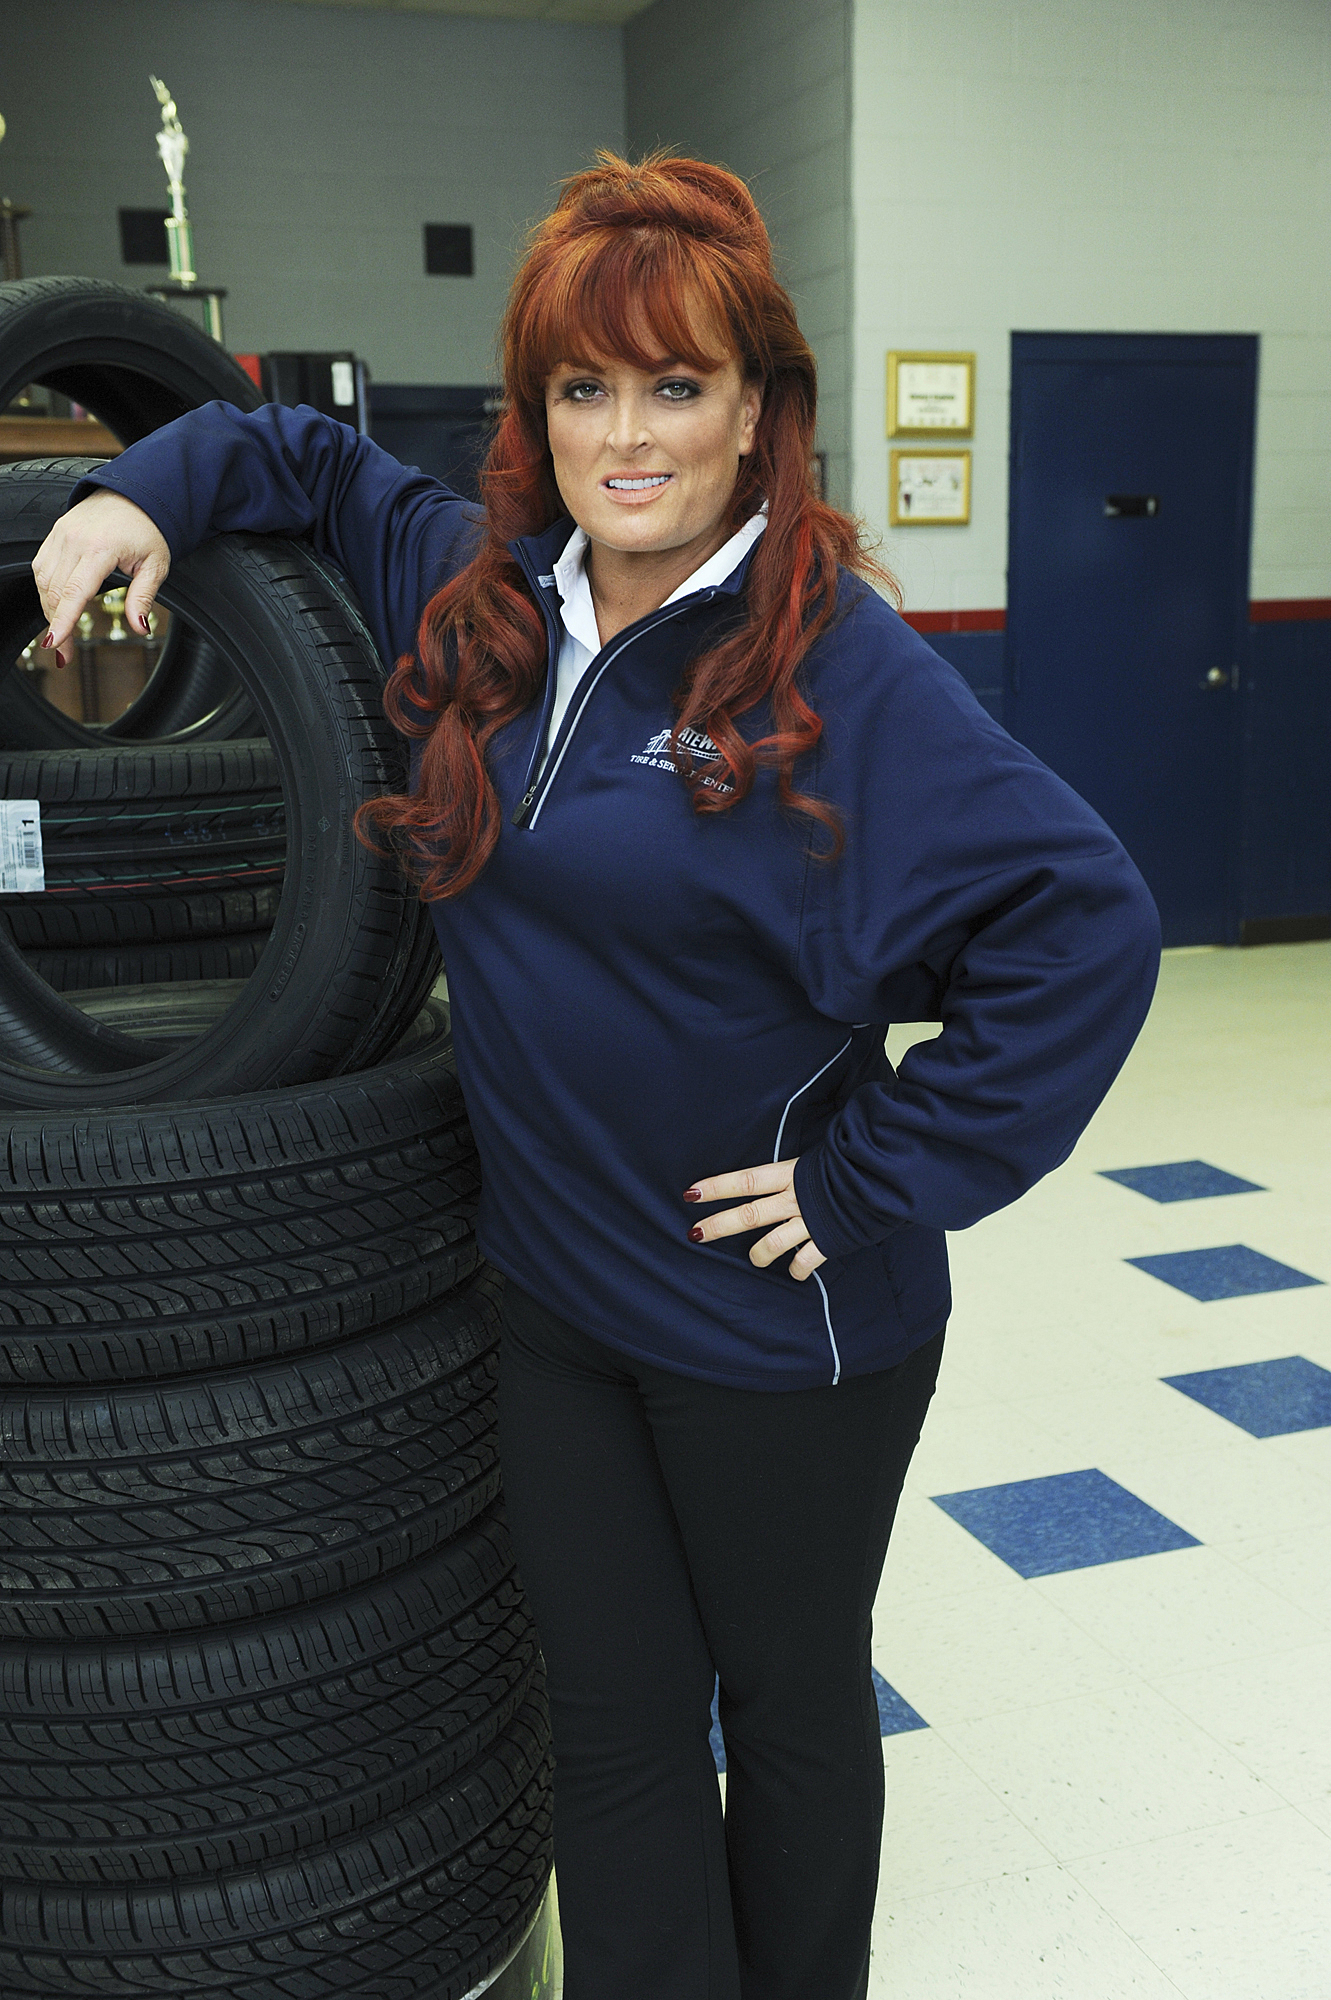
[1277,610]
[1261,611]
[956,621]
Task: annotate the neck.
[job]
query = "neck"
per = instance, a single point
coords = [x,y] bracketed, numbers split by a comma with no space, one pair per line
[628,584]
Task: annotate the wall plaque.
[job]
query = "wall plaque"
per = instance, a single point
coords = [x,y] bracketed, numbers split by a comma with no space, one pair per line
[929,489]
[930,395]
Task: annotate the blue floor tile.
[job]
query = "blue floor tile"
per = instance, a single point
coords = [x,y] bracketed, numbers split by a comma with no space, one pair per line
[895,1716]
[1182,1180]
[1265,1398]
[1071,1520]
[1231,1272]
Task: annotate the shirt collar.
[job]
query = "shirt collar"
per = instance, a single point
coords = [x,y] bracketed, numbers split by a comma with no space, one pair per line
[575,591]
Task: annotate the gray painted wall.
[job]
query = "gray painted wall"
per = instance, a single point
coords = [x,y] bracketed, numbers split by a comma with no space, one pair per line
[763,86]
[321,139]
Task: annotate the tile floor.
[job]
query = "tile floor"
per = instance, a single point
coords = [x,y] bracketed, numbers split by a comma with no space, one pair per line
[1103,1638]
[1108,1597]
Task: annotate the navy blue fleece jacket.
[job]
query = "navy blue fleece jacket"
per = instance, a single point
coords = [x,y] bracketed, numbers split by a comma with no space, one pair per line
[643,997]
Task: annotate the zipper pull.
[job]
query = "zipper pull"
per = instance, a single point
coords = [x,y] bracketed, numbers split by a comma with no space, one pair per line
[524,806]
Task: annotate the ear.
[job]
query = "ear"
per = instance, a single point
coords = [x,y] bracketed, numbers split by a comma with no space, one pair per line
[751,408]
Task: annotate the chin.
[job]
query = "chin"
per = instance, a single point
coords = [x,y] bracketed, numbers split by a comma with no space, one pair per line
[637,537]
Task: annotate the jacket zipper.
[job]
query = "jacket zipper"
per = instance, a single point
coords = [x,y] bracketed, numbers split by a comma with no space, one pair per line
[523,813]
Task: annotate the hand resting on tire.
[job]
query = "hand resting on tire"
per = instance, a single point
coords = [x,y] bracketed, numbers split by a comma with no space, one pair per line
[105,532]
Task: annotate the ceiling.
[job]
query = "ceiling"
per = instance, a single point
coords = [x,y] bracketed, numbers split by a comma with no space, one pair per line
[602,13]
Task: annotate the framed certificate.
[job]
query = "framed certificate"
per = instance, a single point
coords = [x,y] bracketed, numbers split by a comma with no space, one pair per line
[930,395]
[929,489]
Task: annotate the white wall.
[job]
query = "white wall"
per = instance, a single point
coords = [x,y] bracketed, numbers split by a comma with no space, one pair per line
[1094,165]
[763,87]
[321,139]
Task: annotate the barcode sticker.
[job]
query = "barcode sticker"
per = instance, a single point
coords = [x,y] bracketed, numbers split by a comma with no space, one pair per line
[21,870]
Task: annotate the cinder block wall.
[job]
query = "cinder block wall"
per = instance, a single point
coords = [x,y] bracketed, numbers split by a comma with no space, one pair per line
[321,139]
[1148,165]
[762,86]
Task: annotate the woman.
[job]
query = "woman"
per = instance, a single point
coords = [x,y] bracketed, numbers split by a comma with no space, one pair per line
[699,816]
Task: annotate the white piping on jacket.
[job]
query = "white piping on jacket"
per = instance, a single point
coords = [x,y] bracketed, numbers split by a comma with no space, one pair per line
[827,1315]
[800,1092]
[780,1131]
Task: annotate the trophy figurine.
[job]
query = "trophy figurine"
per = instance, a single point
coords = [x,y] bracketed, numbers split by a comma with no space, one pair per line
[173,146]
[184,281]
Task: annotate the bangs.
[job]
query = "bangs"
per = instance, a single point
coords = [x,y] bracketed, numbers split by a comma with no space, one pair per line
[643,295]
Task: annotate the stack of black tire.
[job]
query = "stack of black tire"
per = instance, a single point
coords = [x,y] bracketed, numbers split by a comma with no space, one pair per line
[271,1715]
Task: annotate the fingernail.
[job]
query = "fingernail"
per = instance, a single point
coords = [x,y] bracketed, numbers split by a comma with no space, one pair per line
[695,1236]
[140,622]
[60,659]
[693,1194]
[44,645]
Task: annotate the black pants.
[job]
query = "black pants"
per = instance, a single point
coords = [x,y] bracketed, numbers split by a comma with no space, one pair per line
[665,1527]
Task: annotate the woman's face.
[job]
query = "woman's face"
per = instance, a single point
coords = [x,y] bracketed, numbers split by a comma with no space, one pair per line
[647,461]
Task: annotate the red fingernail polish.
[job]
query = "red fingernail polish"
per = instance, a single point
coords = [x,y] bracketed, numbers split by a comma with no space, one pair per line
[693,1194]
[695,1236]
[44,645]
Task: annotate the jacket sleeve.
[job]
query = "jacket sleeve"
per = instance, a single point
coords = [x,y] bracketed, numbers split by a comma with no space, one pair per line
[971,870]
[395,533]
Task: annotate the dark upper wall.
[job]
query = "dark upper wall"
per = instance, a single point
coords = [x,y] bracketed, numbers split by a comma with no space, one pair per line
[763,86]
[321,138]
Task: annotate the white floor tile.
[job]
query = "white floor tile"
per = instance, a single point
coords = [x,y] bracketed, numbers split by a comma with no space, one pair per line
[942,1826]
[1107,1770]
[1318,1811]
[997,1350]
[988,1652]
[1294,1563]
[1127,1420]
[931,1555]
[1184,1608]
[1310,1450]
[1232,1490]
[1273,1713]
[1234,1912]
[1036,1936]
[982,1445]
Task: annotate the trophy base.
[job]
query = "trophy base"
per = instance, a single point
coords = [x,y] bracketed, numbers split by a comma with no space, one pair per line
[11,264]
[210,297]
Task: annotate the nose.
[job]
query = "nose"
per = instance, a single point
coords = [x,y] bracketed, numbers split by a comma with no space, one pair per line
[630,428]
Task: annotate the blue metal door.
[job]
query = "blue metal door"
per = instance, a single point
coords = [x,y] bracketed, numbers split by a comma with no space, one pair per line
[1130,505]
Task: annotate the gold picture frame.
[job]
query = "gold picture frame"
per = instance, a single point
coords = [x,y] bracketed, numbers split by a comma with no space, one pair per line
[930,395]
[929,489]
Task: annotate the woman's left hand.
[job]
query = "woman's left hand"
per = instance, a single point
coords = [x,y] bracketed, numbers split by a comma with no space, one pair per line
[769,1196]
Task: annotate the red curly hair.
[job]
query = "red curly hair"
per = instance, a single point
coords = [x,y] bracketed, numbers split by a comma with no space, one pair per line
[672,250]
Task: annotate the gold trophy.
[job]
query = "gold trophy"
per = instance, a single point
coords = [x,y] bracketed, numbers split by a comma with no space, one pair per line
[184,281]
[173,146]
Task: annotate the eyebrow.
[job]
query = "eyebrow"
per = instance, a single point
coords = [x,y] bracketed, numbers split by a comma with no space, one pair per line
[661,367]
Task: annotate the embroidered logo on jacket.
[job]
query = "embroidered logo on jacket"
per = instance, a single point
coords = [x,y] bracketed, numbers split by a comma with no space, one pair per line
[656,752]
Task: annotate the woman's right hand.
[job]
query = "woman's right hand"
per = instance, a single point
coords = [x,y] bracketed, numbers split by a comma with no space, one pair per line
[105,532]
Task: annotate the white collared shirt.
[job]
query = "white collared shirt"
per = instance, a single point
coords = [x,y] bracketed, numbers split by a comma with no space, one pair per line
[582,641]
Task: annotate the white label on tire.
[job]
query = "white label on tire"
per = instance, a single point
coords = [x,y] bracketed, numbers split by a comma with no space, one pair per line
[21,870]
[344,383]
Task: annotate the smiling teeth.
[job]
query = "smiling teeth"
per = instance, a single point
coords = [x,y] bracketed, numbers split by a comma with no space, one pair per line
[637,485]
